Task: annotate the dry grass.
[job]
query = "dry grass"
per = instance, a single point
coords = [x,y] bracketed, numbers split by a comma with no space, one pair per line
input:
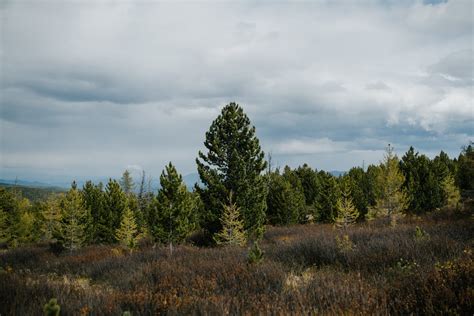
[387,271]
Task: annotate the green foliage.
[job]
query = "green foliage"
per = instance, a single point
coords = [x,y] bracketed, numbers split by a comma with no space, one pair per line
[115,203]
[344,243]
[347,214]
[326,200]
[234,162]
[232,232]
[74,219]
[52,308]
[174,215]
[361,189]
[285,203]
[452,195]
[25,228]
[126,183]
[465,170]
[422,183]
[309,182]
[255,254]
[391,199]
[4,227]
[127,233]
[94,202]
[50,217]
[420,234]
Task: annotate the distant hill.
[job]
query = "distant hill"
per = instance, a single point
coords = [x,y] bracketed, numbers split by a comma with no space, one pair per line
[33,193]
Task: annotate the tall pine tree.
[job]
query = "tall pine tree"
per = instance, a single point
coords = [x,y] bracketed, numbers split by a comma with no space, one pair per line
[115,202]
[234,162]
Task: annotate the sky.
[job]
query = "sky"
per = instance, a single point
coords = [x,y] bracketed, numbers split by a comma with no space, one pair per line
[90,88]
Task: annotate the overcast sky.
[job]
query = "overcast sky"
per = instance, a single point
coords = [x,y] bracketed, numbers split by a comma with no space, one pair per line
[89,88]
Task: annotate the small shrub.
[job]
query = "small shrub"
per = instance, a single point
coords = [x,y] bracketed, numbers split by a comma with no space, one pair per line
[344,244]
[420,234]
[52,308]
[255,254]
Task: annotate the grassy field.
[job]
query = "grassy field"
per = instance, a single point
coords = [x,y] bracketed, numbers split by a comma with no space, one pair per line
[307,269]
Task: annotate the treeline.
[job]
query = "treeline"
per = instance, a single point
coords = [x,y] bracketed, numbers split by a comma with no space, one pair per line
[239,195]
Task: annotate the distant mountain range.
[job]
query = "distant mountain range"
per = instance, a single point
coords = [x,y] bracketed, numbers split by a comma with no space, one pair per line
[190,180]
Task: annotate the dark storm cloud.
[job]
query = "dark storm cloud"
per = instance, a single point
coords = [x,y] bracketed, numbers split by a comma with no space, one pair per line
[91,88]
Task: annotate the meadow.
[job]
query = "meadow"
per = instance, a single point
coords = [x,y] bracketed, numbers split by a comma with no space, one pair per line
[424,265]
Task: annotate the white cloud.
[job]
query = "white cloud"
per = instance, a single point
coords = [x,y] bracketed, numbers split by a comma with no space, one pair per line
[139,83]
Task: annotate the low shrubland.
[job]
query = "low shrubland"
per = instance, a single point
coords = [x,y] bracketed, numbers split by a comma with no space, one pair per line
[306,270]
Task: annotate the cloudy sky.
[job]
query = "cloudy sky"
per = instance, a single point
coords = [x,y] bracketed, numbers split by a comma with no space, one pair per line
[89,88]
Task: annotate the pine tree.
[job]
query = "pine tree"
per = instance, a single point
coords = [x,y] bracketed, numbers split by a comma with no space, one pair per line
[452,195]
[360,189]
[347,213]
[232,232]
[234,162]
[391,199]
[4,227]
[127,233]
[115,202]
[51,218]
[285,205]
[74,219]
[465,172]
[174,217]
[126,183]
[422,184]
[326,201]
[93,197]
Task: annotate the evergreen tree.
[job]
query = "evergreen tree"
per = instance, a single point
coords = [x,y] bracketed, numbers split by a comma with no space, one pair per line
[391,199]
[347,213]
[94,202]
[115,202]
[232,232]
[326,200]
[285,205]
[421,183]
[126,183]
[174,217]
[74,220]
[452,195]
[4,227]
[51,217]
[127,233]
[25,228]
[234,162]
[359,188]
[465,172]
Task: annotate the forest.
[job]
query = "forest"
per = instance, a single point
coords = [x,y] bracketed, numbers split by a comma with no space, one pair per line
[251,238]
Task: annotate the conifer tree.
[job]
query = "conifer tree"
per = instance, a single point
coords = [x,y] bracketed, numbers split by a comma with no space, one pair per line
[25,228]
[285,205]
[51,217]
[74,220]
[93,197]
[174,217]
[391,199]
[232,232]
[126,183]
[452,195]
[127,233]
[4,227]
[347,213]
[326,201]
[234,162]
[465,172]
[115,202]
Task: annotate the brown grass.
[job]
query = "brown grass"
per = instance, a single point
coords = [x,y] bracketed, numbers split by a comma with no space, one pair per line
[388,271]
